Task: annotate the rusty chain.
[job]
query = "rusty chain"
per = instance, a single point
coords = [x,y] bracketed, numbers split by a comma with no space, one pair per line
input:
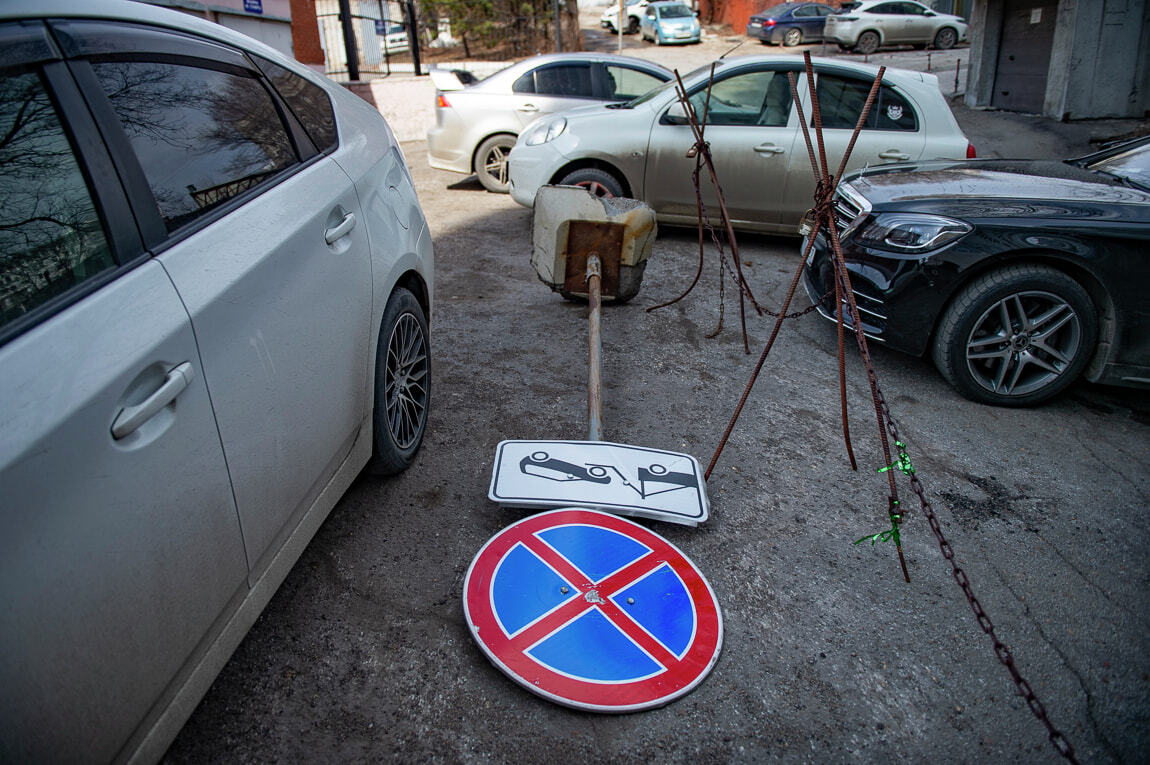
[824,218]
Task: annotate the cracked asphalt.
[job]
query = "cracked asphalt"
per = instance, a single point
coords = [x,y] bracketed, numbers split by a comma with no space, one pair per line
[363,655]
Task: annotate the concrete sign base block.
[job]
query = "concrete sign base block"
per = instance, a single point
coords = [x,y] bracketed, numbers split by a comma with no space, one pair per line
[570,224]
[627,480]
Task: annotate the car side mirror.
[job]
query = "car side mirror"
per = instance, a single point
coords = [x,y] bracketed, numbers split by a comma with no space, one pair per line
[930,13]
[676,115]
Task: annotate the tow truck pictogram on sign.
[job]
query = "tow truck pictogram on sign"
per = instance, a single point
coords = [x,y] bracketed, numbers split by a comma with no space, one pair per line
[592,611]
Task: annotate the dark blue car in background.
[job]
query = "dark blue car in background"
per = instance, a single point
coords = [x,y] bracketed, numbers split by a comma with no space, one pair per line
[790,23]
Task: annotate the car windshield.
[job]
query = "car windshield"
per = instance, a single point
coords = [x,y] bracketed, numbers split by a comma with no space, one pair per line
[675,11]
[1132,165]
[655,91]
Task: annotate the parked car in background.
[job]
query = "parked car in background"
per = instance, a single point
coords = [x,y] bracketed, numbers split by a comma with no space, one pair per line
[215,280]
[634,10]
[670,22]
[639,149]
[789,24]
[1017,277]
[476,125]
[395,38]
[867,26]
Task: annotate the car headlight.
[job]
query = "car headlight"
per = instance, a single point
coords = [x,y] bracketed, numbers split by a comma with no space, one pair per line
[911,232]
[545,131]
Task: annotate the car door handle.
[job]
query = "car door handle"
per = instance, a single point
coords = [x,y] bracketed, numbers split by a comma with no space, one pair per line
[894,154]
[340,230]
[769,148]
[130,418]
[529,108]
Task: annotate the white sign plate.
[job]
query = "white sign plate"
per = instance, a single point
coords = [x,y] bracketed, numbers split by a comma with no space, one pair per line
[628,480]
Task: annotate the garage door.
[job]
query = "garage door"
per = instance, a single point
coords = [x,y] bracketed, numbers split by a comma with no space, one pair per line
[1024,55]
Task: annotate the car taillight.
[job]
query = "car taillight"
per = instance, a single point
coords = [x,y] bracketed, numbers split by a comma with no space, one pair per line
[846,18]
[970,152]
[769,23]
[441,101]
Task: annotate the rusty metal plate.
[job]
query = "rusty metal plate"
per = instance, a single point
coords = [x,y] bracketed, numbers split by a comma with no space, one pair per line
[585,237]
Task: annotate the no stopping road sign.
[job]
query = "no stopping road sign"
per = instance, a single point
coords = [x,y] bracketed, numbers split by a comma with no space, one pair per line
[592,611]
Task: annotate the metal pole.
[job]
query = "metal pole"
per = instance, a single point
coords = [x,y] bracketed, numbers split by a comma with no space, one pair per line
[345,21]
[620,22]
[558,28]
[594,351]
[413,36]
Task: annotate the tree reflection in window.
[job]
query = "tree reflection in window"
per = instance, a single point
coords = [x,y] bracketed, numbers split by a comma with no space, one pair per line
[202,136]
[50,234]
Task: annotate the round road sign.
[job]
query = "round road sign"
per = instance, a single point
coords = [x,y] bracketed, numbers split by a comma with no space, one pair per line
[592,611]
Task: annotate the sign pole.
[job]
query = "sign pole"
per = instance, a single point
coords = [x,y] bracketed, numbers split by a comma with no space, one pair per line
[594,350]
[619,24]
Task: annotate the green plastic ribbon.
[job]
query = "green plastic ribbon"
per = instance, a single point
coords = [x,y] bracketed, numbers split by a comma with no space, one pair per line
[883,536]
[902,462]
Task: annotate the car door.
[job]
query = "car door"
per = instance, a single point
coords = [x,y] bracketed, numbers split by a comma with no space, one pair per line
[120,545]
[888,17]
[919,26]
[751,129]
[552,88]
[265,241]
[893,133]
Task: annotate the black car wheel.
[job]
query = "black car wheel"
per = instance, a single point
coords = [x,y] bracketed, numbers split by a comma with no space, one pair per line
[633,26]
[491,163]
[945,39]
[867,43]
[1016,336]
[599,182]
[402,384]
[793,37]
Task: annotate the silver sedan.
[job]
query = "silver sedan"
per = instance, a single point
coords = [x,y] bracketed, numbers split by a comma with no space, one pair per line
[639,149]
[215,281]
[476,125]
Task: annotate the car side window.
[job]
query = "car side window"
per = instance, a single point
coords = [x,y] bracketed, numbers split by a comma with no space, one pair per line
[629,83]
[754,98]
[51,237]
[564,81]
[202,136]
[806,10]
[841,100]
[308,101]
[886,8]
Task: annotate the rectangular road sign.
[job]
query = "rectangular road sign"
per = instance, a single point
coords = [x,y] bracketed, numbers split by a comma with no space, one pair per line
[628,480]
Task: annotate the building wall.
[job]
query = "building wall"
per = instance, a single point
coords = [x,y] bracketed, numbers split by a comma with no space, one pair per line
[271,25]
[1099,59]
[305,34]
[1098,67]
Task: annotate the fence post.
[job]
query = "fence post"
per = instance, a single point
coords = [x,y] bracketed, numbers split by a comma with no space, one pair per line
[350,52]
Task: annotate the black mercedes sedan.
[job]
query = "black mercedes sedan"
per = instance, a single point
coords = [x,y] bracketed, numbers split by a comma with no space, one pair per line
[1017,276]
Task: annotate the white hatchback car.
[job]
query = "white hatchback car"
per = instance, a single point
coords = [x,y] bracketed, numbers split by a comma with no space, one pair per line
[639,149]
[215,280]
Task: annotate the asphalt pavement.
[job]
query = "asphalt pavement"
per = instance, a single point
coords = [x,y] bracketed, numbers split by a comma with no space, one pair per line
[364,654]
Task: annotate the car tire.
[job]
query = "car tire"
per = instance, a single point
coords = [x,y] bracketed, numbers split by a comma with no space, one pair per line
[633,27]
[867,43]
[1028,361]
[402,384]
[793,37]
[599,182]
[945,39]
[657,39]
[491,163]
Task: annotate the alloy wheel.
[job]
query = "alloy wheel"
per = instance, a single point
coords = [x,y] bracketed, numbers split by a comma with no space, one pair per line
[406,388]
[1023,343]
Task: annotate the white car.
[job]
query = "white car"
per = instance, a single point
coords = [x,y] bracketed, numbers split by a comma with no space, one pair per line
[476,125]
[634,10]
[639,149]
[867,26]
[215,282]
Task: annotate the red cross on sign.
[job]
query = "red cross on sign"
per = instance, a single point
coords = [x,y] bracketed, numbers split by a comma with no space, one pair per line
[592,611]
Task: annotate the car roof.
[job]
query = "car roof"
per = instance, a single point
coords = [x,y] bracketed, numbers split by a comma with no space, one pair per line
[520,67]
[892,75]
[131,11]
